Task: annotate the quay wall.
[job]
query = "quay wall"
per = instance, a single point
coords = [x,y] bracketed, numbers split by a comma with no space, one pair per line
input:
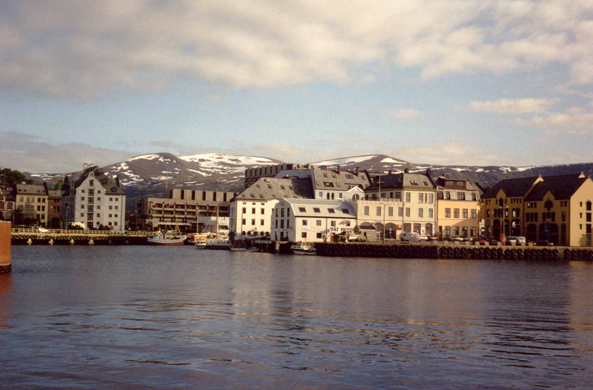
[440,251]
[5,247]
[76,239]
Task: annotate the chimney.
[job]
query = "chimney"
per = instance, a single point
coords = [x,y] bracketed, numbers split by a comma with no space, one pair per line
[85,166]
[428,171]
[357,170]
[339,169]
[389,173]
[407,170]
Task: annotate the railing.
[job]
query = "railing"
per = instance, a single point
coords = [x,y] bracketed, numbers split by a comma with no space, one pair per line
[79,231]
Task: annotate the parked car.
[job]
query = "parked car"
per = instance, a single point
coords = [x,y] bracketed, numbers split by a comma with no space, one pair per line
[516,240]
[41,229]
[412,237]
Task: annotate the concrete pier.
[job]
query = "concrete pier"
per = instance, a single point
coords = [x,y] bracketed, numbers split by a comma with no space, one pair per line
[5,247]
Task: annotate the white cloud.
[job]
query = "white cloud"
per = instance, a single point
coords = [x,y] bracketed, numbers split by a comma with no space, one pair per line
[404,115]
[574,121]
[514,106]
[83,50]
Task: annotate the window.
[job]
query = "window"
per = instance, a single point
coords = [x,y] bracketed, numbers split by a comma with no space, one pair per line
[331,211]
[378,211]
[316,210]
[253,222]
[243,210]
[398,196]
[407,211]
[252,211]
[366,210]
[400,211]
[447,231]
[318,222]
[461,195]
[473,213]
[345,211]
[430,198]
[304,235]
[421,213]
[319,235]
[261,222]
[447,195]
[447,213]
[263,211]
[304,222]
[244,222]
[464,213]
[430,213]
[420,198]
[302,209]
[333,223]
[455,213]
[390,211]
[408,197]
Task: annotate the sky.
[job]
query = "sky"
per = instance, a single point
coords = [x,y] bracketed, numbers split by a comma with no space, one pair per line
[435,82]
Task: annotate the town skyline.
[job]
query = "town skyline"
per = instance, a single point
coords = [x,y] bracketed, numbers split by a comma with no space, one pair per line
[461,83]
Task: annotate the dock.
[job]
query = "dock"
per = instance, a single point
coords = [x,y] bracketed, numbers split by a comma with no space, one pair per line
[77,237]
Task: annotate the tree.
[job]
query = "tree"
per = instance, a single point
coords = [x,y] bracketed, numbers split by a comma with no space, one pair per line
[9,176]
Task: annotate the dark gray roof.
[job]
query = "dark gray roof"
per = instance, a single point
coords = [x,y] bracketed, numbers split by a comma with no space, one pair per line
[110,184]
[30,189]
[511,187]
[8,192]
[562,187]
[326,179]
[267,188]
[401,181]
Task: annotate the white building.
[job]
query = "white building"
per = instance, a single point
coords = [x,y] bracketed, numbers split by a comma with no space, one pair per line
[94,199]
[311,220]
[251,210]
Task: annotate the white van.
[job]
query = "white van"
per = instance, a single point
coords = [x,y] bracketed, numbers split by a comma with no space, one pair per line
[412,237]
[516,240]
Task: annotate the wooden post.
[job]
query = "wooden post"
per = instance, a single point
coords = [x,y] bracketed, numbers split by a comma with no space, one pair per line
[5,247]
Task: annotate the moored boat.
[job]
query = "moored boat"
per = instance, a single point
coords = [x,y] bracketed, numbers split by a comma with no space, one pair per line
[304,248]
[169,238]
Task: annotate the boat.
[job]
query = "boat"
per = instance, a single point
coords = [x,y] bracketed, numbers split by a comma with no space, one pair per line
[218,244]
[238,246]
[303,248]
[168,238]
[253,249]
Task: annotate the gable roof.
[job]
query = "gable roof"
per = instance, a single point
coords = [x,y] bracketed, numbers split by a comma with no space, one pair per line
[511,187]
[562,187]
[109,184]
[267,188]
[326,208]
[326,179]
[30,189]
[418,181]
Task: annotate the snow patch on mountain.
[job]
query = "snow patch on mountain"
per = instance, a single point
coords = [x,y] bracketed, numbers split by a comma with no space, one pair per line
[216,159]
[346,160]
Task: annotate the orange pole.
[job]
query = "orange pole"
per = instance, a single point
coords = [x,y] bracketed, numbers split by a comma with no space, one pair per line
[5,247]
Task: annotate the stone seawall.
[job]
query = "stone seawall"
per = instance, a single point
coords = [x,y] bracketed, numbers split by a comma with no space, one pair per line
[5,247]
[425,251]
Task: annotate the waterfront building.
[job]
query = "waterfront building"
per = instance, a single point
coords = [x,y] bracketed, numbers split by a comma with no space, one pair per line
[556,209]
[396,203]
[32,202]
[190,210]
[54,208]
[251,210]
[458,208]
[338,184]
[311,220]
[93,199]
[7,202]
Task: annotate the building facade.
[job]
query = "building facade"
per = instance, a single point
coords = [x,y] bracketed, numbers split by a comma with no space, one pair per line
[32,202]
[458,205]
[7,203]
[93,199]
[555,209]
[311,220]
[190,210]
[402,202]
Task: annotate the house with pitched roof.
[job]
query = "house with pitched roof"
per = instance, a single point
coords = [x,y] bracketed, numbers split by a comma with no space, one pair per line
[396,203]
[557,209]
[251,209]
[458,205]
[93,199]
[32,202]
[7,202]
[311,220]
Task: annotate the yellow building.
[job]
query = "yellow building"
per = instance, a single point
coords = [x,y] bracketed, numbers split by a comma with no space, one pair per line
[555,209]
[402,202]
[32,202]
[458,204]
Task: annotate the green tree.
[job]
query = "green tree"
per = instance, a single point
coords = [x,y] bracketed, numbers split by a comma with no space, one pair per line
[9,176]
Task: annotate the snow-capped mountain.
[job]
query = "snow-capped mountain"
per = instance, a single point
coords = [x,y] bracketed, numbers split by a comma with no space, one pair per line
[151,174]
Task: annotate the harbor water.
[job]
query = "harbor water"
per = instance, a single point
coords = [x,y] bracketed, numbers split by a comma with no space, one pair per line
[139,317]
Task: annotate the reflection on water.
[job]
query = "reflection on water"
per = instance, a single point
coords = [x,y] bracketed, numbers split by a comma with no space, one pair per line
[133,317]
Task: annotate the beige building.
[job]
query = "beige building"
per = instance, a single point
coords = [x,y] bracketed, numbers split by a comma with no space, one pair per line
[32,202]
[396,203]
[458,208]
[190,210]
[556,209]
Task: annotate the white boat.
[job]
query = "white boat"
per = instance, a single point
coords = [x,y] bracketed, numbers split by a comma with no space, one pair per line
[253,249]
[303,248]
[218,244]
[168,238]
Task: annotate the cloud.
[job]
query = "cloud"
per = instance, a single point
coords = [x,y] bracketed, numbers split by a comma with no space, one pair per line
[514,106]
[574,121]
[38,155]
[405,115]
[84,50]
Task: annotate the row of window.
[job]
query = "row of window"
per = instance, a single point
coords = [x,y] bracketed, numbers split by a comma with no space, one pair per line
[464,213]
[91,216]
[90,207]
[463,232]
[422,197]
[461,195]
[400,212]
[31,199]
